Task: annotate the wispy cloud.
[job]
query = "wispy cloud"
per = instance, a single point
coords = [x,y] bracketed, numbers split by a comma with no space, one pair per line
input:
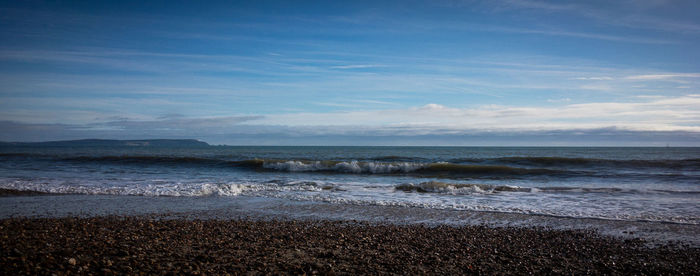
[664,76]
[593,78]
[356,104]
[633,16]
[655,114]
[597,36]
[177,124]
[658,113]
[562,100]
[357,66]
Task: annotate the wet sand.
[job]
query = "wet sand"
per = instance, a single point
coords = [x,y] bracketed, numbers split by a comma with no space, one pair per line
[116,245]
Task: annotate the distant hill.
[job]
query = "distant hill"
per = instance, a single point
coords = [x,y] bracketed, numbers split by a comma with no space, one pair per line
[113,143]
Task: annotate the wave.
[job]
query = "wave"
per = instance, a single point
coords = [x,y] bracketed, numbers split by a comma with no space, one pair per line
[460,169]
[440,195]
[584,162]
[12,154]
[127,159]
[518,161]
[505,167]
[395,158]
[343,166]
[167,161]
[608,190]
[331,166]
[171,189]
[457,188]
[412,168]
[146,159]
[468,188]
[151,190]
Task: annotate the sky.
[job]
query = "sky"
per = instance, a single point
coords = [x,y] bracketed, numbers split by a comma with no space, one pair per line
[465,73]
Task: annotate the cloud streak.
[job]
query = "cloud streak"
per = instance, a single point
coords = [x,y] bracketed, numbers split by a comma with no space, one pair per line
[648,115]
[664,76]
[597,36]
[634,16]
[650,120]
[357,66]
[655,114]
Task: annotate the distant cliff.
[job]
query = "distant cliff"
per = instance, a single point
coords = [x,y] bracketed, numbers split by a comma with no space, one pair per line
[113,143]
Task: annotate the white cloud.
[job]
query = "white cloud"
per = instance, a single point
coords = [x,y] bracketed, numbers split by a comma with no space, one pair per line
[664,76]
[648,114]
[649,118]
[563,100]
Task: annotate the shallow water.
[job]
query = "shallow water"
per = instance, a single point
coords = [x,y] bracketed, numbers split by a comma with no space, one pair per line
[263,208]
[621,184]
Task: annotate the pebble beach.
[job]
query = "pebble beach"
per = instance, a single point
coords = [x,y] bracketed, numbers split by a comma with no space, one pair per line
[151,245]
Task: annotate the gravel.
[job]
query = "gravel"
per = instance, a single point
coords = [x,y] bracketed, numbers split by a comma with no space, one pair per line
[132,245]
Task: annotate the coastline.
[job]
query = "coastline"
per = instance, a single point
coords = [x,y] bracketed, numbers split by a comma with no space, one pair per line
[215,235]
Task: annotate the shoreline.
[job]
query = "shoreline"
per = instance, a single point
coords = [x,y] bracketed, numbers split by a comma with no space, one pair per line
[33,205]
[98,234]
[133,244]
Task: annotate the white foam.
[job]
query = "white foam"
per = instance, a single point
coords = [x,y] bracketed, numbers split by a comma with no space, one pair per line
[164,187]
[160,188]
[228,189]
[480,197]
[346,167]
[458,189]
[295,166]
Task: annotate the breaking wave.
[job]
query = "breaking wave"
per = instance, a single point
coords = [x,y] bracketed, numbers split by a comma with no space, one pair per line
[469,188]
[344,167]
[584,162]
[503,167]
[170,189]
[455,188]
[391,162]
[417,169]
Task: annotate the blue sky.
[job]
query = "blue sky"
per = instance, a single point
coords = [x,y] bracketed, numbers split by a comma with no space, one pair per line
[353,72]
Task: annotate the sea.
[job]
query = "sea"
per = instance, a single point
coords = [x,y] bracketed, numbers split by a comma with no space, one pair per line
[611,183]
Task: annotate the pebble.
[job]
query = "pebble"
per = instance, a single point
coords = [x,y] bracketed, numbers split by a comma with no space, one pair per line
[137,245]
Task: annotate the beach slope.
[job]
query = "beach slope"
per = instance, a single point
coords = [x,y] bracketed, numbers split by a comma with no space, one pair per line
[117,245]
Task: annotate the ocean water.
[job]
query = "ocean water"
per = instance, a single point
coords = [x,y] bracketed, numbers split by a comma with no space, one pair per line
[623,184]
